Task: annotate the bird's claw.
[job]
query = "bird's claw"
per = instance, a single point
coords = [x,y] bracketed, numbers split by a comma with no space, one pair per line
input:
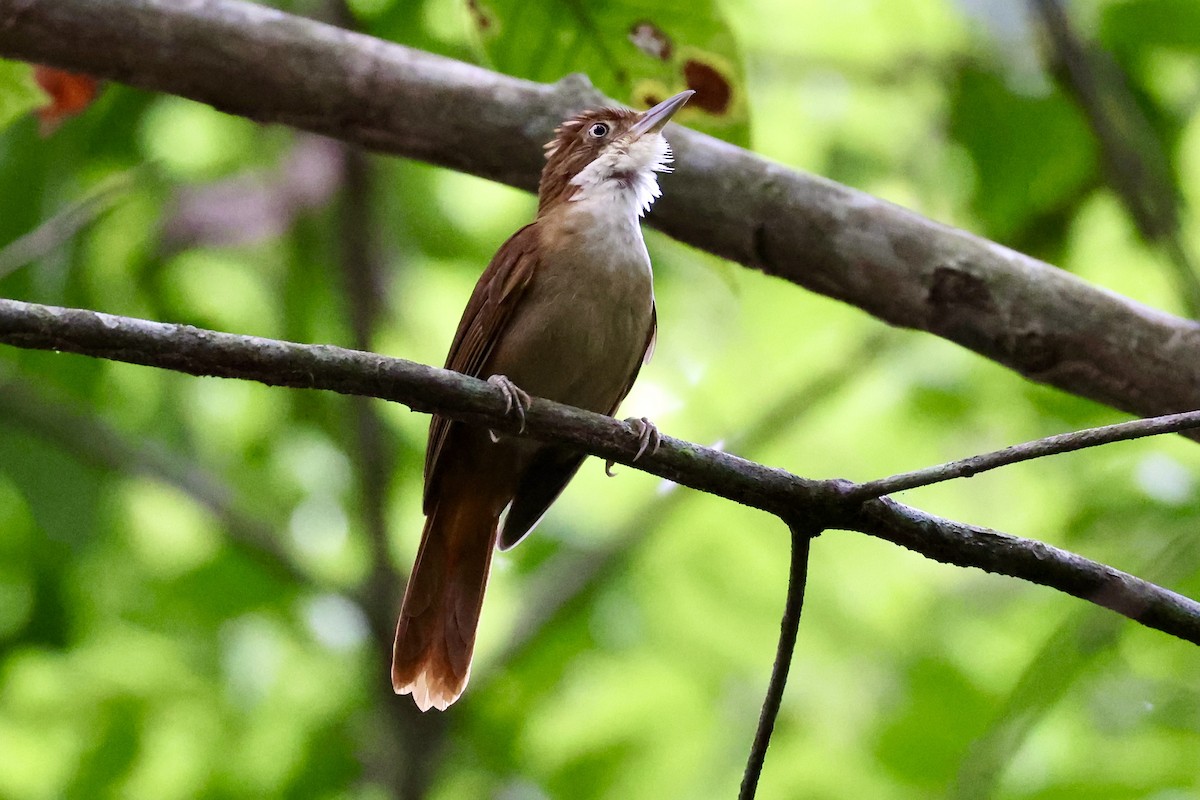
[648,436]
[648,439]
[516,400]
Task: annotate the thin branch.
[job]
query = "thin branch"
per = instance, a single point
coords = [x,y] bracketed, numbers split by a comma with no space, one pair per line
[788,627]
[249,59]
[67,223]
[820,504]
[1027,451]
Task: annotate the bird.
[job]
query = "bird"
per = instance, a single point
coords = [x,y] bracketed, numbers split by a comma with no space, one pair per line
[564,311]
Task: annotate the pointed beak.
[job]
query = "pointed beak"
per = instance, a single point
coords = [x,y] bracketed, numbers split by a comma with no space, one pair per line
[654,119]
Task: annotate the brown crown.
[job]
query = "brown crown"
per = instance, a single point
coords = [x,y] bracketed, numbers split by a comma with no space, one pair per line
[573,148]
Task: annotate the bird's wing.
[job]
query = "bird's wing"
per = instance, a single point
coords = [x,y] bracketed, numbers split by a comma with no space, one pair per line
[483,322]
[651,341]
[553,468]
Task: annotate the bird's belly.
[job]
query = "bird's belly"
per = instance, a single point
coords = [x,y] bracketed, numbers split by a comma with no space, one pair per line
[578,337]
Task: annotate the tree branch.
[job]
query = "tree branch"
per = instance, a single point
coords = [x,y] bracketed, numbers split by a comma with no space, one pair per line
[65,224]
[1040,448]
[909,271]
[195,351]
[575,573]
[817,504]
[789,626]
[971,546]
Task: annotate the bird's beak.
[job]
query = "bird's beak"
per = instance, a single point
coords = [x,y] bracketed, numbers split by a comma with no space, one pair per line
[653,120]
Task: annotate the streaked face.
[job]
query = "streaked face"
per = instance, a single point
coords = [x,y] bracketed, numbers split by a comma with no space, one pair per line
[609,155]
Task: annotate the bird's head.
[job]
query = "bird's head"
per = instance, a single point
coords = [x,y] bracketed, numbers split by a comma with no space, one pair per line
[609,153]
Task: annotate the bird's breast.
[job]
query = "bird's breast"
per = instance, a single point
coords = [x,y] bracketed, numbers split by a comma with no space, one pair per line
[580,330]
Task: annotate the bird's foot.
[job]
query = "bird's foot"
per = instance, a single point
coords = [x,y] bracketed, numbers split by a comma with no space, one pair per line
[648,439]
[516,400]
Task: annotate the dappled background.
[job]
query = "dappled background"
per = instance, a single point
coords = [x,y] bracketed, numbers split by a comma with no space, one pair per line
[198,577]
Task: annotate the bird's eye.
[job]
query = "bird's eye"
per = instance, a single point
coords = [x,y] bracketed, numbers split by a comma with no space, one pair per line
[598,130]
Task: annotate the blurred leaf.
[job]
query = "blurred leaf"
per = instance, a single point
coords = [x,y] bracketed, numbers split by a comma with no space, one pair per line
[425,24]
[19,92]
[593,774]
[70,94]
[1032,154]
[331,765]
[114,748]
[1076,644]
[634,52]
[925,739]
[1140,24]
[63,496]
[1082,790]
[226,587]
[1086,638]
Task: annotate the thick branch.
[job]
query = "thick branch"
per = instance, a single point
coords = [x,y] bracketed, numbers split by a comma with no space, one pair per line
[195,351]
[818,504]
[906,270]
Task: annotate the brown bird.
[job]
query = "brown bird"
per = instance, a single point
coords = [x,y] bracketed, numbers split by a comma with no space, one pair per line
[564,311]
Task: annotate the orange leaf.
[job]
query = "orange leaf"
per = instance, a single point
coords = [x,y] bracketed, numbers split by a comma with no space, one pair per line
[70,93]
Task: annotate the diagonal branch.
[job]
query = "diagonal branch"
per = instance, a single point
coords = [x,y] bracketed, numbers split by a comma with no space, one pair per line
[1026,451]
[972,546]
[909,271]
[815,504]
[67,223]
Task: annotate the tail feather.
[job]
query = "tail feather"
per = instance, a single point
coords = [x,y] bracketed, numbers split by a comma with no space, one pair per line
[435,637]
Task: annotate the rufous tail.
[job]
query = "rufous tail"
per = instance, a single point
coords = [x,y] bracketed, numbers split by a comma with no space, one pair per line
[435,635]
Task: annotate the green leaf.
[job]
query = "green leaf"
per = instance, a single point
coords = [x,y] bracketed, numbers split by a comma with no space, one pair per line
[19,93]
[1148,23]
[1033,153]
[631,52]
[113,750]
[63,496]
[925,740]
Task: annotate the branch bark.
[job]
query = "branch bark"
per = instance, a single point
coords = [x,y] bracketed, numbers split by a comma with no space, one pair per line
[811,503]
[259,62]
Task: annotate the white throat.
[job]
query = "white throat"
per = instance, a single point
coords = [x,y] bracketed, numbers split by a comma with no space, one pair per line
[624,175]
